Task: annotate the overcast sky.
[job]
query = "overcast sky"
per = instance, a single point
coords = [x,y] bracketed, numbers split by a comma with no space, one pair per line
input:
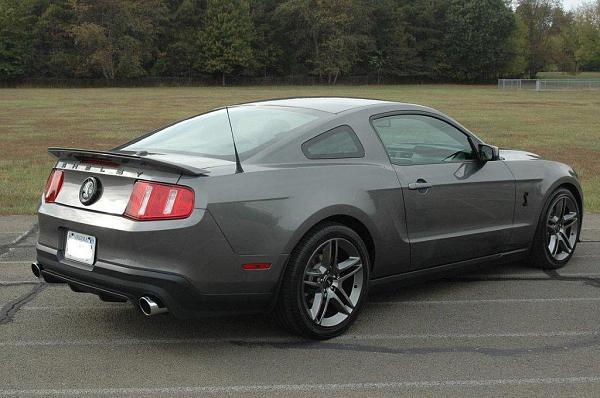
[572,4]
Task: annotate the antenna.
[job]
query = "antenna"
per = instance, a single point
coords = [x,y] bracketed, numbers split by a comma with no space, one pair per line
[238,164]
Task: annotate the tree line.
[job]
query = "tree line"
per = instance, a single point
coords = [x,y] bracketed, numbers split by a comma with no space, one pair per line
[392,40]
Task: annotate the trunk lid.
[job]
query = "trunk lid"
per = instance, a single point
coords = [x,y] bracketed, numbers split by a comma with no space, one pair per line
[116,172]
[143,159]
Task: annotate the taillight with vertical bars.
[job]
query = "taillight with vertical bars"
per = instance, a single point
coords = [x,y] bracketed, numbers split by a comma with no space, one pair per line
[157,201]
[53,186]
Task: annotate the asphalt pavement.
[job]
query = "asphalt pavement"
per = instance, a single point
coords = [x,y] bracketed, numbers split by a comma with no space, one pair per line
[503,331]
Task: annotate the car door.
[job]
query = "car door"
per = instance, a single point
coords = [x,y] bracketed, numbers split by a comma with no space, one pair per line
[457,207]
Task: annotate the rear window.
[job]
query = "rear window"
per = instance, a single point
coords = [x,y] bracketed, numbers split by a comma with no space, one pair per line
[209,134]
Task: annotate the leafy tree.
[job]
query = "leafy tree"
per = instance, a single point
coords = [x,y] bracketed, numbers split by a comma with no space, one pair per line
[227,36]
[15,38]
[587,26]
[538,17]
[377,62]
[346,40]
[518,62]
[426,24]
[300,20]
[563,42]
[53,46]
[94,42]
[477,38]
[466,40]
[180,44]
[268,52]
[117,37]
[396,53]
[332,35]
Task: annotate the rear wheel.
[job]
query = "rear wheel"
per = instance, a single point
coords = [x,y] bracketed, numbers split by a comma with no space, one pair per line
[325,283]
[557,232]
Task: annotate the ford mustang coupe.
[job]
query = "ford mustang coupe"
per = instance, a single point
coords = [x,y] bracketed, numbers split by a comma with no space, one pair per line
[296,206]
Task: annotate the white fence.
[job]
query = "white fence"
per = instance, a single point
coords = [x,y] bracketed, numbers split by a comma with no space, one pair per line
[548,84]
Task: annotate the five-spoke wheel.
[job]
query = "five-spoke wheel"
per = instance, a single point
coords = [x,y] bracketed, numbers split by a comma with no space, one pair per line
[325,282]
[558,231]
[333,282]
[562,226]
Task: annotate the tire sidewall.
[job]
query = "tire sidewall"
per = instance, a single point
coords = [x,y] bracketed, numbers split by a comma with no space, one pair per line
[543,233]
[301,261]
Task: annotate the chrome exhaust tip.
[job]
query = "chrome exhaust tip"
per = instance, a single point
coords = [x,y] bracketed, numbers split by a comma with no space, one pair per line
[150,307]
[36,269]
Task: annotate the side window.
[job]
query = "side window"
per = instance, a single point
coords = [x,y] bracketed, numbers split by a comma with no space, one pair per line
[337,143]
[418,139]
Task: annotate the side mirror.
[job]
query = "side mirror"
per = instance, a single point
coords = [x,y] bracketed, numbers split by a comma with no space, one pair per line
[488,153]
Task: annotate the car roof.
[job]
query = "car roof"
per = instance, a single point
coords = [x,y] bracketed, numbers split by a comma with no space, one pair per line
[327,104]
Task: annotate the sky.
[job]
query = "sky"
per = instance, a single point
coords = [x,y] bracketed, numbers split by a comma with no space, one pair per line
[572,4]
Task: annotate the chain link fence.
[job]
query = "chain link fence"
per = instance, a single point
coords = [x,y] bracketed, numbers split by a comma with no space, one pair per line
[549,84]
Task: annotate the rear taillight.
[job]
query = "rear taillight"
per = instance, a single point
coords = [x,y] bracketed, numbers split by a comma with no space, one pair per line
[53,185]
[153,201]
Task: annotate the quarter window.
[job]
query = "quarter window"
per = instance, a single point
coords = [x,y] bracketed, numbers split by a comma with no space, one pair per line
[337,143]
[418,139]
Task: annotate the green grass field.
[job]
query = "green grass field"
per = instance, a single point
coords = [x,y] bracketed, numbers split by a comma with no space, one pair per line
[558,125]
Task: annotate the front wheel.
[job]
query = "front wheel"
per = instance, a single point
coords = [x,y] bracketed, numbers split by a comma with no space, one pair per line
[558,231]
[325,283]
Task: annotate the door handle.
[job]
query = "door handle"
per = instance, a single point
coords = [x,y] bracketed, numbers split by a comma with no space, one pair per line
[421,185]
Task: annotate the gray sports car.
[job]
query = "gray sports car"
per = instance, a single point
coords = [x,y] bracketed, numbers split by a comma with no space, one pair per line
[297,206]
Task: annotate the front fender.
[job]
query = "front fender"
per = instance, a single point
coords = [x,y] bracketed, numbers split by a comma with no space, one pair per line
[536,180]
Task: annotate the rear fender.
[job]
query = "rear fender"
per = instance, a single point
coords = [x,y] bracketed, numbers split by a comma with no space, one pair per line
[329,212]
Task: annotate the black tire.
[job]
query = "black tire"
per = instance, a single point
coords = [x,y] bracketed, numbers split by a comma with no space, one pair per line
[291,310]
[540,255]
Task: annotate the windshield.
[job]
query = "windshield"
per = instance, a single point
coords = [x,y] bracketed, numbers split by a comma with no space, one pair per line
[209,134]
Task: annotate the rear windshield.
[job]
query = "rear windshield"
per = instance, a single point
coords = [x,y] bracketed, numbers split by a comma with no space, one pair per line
[209,134]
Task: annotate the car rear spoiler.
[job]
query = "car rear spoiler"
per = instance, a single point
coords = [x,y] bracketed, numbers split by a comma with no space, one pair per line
[81,155]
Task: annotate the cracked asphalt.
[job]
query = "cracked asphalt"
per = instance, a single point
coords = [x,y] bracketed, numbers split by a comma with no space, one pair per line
[503,331]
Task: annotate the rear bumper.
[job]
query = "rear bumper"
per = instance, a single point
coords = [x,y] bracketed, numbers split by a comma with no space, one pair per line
[174,291]
[186,264]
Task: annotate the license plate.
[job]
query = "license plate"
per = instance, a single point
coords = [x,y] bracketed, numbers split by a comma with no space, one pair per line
[80,247]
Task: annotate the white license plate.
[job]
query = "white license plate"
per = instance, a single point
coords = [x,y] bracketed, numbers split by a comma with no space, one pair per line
[80,247]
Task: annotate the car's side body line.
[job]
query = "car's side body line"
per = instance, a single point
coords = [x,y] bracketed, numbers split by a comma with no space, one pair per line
[426,273]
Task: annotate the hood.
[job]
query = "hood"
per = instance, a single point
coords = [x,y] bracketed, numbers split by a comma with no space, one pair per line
[512,154]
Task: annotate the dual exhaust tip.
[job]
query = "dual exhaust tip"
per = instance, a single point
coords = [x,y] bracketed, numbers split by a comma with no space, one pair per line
[148,305]
[36,269]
